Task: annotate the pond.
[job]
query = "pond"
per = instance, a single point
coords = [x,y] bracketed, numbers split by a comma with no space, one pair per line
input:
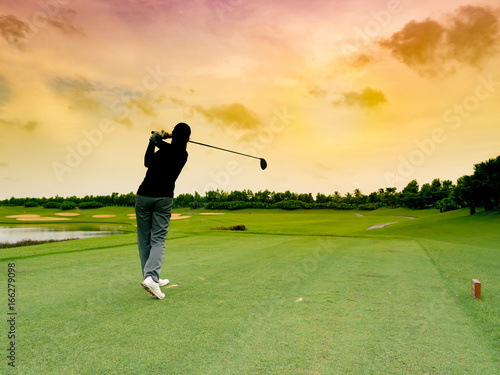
[15,233]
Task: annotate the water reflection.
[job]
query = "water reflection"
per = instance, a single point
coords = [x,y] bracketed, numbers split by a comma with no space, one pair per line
[14,233]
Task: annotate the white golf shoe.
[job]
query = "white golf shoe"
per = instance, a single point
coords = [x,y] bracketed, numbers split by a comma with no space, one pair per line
[163,282]
[152,288]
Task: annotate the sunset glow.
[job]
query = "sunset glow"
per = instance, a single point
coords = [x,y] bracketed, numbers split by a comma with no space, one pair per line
[335,95]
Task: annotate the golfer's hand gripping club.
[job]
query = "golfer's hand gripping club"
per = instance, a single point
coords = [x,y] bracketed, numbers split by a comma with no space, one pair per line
[158,135]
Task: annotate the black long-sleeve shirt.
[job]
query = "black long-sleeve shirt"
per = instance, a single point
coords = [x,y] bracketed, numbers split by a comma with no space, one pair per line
[164,166]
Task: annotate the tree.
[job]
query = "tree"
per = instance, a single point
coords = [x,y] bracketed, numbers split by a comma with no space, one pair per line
[197,201]
[359,197]
[447,188]
[337,197]
[237,196]
[464,193]
[348,198]
[486,178]
[306,198]
[437,191]
[426,196]
[374,198]
[409,196]
[321,198]
[263,196]
[390,196]
[184,200]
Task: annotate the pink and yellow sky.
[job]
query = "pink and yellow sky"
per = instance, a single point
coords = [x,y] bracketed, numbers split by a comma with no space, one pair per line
[335,95]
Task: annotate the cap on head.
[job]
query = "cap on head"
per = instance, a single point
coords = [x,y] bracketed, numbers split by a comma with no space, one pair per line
[181,131]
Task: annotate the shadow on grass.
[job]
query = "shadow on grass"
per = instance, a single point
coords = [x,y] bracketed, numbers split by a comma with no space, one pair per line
[6,245]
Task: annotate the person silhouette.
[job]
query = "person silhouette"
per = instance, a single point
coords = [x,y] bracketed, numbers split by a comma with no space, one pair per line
[155,198]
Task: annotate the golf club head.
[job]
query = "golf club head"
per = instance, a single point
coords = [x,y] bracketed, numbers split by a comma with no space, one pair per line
[263,164]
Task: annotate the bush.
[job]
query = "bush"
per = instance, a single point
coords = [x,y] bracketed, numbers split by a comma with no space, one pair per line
[195,205]
[51,205]
[234,205]
[238,205]
[86,205]
[30,204]
[446,204]
[369,206]
[290,204]
[68,205]
[233,227]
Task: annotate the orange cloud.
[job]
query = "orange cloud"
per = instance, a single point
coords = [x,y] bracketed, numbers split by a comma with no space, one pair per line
[28,126]
[434,49]
[361,60]
[368,98]
[14,31]
[64,22]
[473,35]
[234,115]
[142,104]
[317,92]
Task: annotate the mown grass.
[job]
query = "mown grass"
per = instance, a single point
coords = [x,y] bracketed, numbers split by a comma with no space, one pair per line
[306,292]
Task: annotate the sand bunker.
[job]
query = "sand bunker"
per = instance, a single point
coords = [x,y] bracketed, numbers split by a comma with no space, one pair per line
[132,217]
[66,214]
[377,226]
[103,216]
[176,217]
[42,218]
[358,214]
[20,216]
[212,213]
[130,214]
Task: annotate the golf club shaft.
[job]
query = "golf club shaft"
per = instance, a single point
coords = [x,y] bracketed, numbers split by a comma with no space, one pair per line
[223,149]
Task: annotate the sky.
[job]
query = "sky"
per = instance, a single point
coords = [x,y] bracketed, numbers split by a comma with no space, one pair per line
[335,95]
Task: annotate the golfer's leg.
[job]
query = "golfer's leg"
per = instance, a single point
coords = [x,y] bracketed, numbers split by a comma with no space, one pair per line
[159,230]
[144,216]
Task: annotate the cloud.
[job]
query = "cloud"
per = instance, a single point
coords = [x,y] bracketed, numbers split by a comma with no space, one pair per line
[170,99]
[474,34]
[14,31]
[317,92]
[124,120]
[361,60]
[143,105]
[28,126]
[231,115]
[17,32]
[4,90]
[368,98]
[177,101]
[79,91]
[64,22]
[469,37]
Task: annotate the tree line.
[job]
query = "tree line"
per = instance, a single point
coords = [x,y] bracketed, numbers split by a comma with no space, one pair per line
[481,189]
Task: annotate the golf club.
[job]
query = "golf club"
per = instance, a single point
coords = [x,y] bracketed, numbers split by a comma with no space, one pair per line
[263,163]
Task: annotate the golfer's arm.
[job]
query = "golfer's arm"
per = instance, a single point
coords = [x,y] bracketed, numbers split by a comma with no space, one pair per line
[161,144]
[150,151]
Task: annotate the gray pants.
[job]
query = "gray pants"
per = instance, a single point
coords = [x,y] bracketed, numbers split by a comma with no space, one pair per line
[153,218]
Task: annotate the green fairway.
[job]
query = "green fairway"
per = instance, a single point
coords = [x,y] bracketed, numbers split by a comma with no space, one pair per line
[299,292]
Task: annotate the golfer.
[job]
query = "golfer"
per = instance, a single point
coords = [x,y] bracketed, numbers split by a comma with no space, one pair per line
[154,202]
